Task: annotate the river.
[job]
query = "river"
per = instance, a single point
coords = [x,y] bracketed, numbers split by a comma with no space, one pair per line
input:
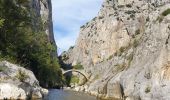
[55,94]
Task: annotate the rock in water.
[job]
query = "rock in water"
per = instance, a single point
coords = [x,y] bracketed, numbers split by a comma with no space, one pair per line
[18,83]
[125,50]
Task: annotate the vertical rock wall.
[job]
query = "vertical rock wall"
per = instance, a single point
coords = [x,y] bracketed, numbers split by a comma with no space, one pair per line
[43,9]
[125,50]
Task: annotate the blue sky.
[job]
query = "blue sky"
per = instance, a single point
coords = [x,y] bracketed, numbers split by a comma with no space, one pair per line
[68,16]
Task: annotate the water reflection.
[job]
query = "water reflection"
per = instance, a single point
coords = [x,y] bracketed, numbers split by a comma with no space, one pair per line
[68,95]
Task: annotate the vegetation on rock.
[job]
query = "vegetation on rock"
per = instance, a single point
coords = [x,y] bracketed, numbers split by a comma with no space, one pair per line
[2,69]
[21,75]
[74,79]
[148,89]
[166,12]
[19,43]
[1,22]
[78,66]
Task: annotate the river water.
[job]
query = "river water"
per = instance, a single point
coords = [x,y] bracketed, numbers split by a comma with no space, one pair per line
[55,94]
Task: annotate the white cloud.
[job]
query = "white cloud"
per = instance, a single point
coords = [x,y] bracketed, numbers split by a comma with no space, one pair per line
[68,16]
[64,42]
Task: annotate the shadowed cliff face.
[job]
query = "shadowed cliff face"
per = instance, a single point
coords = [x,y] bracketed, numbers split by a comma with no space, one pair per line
[125,50]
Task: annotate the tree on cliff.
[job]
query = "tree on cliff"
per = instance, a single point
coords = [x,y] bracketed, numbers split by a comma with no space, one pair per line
[20,44]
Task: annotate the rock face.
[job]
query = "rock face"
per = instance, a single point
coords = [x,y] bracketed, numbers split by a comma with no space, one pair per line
[125,50]
[41,14]
[18,83]
[11,91]
[43,9]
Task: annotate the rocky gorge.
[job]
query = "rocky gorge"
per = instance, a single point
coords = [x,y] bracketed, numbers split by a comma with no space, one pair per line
[125,50]
[122,53]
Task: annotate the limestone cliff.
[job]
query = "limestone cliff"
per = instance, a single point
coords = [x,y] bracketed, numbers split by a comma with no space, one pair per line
[125,50]
[43,9]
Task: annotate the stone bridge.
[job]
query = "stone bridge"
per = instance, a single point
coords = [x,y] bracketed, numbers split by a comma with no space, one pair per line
[74,70]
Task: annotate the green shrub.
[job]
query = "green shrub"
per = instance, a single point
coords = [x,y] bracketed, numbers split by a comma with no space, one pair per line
[71,47]
[2,68]
[122,49]
[110,57]
[132,16]
[78,66]
[153,4]
[74,79]
[21,75]
[65,57]
[120,6]
[120,67]
[1,22]
[166,12]
[101,17]
[130,12]
[129,5]
[135,43]
[94,18]
[137,32]
[148,89]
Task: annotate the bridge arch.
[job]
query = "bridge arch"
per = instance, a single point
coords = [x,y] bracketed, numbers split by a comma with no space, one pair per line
[78,71]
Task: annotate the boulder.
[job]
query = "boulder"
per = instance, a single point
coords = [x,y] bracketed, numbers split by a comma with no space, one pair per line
[18,82]
[11,91]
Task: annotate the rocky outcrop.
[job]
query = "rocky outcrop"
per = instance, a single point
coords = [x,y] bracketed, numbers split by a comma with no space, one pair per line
[11,91]
[125,50]
[18,83]
[43,11]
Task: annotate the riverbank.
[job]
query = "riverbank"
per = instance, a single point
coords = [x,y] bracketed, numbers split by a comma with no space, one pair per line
[19,83]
